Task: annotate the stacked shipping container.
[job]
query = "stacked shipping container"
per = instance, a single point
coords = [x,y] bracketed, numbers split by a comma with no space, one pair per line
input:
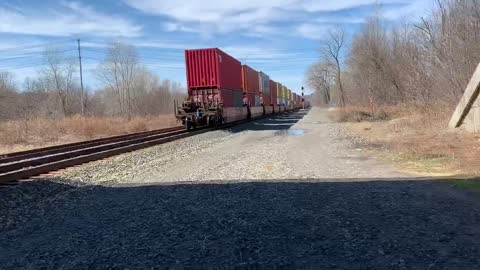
[264,84]
[250,86]
[289,96]
[284,95]
[279,93]
[273,92]
[213,76]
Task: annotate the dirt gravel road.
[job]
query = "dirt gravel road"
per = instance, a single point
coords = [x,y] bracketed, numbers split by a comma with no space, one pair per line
[290,191]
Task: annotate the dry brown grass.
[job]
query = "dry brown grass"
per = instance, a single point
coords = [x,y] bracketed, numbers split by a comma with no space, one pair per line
[359,114]
[420,141]
[40,132]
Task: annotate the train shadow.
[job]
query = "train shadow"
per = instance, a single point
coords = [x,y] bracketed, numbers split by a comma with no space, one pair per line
[258,224]
[283,121]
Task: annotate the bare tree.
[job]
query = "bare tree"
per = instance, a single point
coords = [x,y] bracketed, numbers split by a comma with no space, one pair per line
[331,53]
[58,78]
[119,71]
[319,78]
[7,83]
[8,94]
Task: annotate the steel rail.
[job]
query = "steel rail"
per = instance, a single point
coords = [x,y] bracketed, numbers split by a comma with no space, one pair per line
[16,156]
[25,164]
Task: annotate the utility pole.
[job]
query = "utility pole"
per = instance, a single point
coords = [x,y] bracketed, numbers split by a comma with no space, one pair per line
[81,77]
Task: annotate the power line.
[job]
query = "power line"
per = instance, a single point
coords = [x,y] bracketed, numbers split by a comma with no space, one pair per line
[150,64]
[27,65]
[21,67]
[141,55]
[250,53]
[33,55]
[26,47]
[266,62]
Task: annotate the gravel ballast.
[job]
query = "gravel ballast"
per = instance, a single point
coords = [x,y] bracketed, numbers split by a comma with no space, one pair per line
[284,192]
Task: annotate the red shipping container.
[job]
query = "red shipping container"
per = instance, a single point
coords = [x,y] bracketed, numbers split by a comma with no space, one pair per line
[225,96]
[212,68]
[265,99]
[250,81]
[273,92]
[249,99]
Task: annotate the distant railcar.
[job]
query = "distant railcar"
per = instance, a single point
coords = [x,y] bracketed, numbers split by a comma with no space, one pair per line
[222,90]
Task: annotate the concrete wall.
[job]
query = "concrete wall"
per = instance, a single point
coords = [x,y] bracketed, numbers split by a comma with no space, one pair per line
[471,122]
[467,113]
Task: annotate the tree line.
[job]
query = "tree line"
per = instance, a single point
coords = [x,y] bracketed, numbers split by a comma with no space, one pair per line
[424,64]
[129,90]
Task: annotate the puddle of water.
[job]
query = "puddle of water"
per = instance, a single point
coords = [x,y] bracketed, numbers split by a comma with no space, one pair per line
[296,132]
[291,132]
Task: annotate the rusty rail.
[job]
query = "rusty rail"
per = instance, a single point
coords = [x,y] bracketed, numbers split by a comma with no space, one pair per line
[20,165]
[11,157]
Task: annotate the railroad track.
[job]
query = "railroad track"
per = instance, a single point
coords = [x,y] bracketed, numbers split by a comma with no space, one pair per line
[26,164]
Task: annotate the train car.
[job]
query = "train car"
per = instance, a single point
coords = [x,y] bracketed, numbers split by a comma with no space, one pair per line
[250,86]
[214,82]
[273,96]
[251,90]
[222,90]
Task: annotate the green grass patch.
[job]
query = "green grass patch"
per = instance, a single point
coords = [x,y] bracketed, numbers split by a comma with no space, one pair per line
[467,184]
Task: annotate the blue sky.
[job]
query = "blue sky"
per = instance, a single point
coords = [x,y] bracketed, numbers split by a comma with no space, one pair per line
[279,37]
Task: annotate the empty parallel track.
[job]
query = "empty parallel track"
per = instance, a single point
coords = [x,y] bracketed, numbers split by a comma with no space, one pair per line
[20,165]
[25,164]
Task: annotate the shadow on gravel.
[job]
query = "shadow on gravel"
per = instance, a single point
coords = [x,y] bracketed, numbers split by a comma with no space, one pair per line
[278,122]
[315,224]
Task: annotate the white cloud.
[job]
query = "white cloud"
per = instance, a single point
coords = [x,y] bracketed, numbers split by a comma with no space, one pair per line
[256,53]
[176,27]
[312,31]
[415,10]
[213,11]
[70,18]
[216,16]
[315,5]
[251,18]
[167,45]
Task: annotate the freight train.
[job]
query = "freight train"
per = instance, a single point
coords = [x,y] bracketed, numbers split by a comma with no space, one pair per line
[222,90]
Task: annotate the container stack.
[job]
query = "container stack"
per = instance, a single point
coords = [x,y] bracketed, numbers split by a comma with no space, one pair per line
[222,86]
[273,93]
[279,94]
[250,86]
[264,83]
[216,77]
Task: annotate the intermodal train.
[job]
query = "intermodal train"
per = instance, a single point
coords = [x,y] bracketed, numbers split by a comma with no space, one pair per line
[222,90]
